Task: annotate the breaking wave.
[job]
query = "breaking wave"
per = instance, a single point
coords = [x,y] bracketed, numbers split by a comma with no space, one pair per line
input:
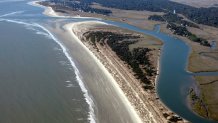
[91,116]
[12,13]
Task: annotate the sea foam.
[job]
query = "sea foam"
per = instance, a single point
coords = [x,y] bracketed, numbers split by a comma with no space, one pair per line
[4,1]
[78,76]
[89,101]
[11,13]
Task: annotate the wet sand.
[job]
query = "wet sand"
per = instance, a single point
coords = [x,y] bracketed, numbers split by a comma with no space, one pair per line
[123,75]
[111,105]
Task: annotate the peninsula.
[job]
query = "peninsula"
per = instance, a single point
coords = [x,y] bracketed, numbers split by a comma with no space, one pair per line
[136,55]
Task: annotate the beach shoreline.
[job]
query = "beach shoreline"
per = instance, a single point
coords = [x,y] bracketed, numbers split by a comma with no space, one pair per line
[155,106]
[47,10]
[106,68]
[69,28]
[50,12]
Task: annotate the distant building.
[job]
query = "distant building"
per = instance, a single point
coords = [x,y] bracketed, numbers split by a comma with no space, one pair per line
[213,45]
[174,11]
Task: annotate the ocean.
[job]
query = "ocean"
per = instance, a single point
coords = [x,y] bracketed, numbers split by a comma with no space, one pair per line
[38,83]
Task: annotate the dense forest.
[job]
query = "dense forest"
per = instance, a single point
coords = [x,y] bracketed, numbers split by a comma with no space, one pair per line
[78,6]
[207,16]
[181,30]
[138,58]
[178,25]
[173,18]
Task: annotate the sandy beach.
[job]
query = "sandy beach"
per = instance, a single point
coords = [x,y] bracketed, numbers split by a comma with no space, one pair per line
[48,10]
[69,28]
[116,100]
[109,100]
[118,78]
[146,103]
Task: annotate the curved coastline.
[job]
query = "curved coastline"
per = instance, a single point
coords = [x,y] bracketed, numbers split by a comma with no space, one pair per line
[49,12]
[88,99]
[69,27]
[121,93]
[134,116]
[91,116]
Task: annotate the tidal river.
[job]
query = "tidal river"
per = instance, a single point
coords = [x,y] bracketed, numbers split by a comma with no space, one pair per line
[46,79]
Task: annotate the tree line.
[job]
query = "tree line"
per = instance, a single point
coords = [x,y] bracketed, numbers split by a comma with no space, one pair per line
[137,59]
[207,16]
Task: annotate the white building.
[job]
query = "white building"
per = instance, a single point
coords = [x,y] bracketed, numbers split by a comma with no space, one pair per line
[174,11]
[213,44]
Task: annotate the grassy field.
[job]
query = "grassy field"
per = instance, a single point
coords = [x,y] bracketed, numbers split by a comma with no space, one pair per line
[148,42]
[209,86]
[132,17]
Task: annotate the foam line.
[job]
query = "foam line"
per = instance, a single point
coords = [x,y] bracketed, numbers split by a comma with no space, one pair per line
[91,116]
[4,1]
[78,76]
[17,22]
[12,13]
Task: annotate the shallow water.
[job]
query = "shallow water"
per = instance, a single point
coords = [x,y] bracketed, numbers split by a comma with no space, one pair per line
[37,82]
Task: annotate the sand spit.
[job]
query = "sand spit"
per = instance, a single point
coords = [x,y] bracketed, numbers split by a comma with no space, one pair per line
[69,27]
[146,103]
[117,76]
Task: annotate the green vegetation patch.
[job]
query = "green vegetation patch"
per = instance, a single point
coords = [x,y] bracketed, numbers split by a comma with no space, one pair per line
[197,104]
[137,57]
[209,87]
[181,30]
